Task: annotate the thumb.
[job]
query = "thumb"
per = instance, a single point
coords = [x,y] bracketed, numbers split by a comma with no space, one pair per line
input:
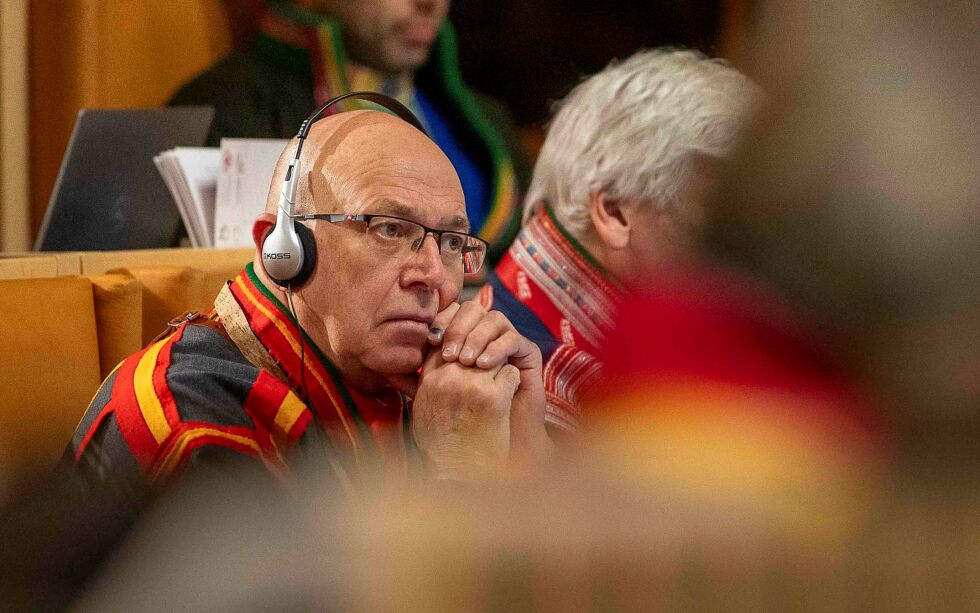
[433,359]
[509,376]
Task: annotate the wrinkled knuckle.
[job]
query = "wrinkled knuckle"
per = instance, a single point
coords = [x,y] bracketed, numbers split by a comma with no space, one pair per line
[442,386]
[475,390]
[474,307]
[493,346]
[486,338]
[452,334]
[499,318]
[514,337]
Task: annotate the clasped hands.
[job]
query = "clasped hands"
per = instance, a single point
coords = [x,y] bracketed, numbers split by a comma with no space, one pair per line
[479,408]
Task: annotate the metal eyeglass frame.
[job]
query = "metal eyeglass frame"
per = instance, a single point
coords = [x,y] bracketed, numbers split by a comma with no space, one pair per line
[437,234]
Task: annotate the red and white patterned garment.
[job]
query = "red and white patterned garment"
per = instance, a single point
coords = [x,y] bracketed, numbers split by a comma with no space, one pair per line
[557,295]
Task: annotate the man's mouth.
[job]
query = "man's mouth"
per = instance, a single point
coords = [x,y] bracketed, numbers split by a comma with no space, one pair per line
[419,317]
[418,32]
[411,324]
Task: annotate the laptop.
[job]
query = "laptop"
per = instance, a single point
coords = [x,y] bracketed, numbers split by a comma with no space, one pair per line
[109,194]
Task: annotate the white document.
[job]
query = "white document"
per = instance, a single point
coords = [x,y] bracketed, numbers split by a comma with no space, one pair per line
[191,175]
[247,166]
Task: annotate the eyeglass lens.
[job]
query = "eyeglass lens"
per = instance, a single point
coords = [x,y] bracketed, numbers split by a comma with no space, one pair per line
[400,237]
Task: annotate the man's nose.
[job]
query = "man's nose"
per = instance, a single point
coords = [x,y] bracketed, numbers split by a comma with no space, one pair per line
[425,266]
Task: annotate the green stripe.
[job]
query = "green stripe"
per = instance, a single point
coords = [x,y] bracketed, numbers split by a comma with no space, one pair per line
[296,14]
[457,90]
[340,54]
[574,242]
[327,364]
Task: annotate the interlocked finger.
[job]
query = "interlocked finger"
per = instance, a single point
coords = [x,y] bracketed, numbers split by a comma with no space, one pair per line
[467,317]
[493,326]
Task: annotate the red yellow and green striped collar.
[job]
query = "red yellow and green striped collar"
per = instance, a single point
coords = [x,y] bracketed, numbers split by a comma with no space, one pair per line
[346,415]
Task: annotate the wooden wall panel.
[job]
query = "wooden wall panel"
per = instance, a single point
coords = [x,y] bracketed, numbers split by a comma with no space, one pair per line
[109,54]
[14,152]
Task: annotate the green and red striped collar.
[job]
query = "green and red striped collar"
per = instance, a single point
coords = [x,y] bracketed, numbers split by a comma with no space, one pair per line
[345,414]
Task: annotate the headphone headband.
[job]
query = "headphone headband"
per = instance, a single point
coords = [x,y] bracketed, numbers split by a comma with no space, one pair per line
[382,100]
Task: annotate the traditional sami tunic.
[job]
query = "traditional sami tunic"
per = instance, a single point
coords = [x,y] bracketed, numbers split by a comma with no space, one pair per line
[299,61]
[558,296]
[233,384]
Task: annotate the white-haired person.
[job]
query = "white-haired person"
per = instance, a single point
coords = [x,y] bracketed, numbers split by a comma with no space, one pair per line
[617,190]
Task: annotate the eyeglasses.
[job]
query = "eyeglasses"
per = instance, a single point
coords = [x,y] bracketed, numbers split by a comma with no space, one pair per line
[398,237]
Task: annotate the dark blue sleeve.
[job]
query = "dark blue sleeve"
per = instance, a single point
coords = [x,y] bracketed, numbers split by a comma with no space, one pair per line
[526,322]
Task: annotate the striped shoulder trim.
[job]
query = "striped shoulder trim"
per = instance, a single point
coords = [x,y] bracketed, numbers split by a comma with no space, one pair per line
[280,417]
[191,436]
[568,375]
[141,403]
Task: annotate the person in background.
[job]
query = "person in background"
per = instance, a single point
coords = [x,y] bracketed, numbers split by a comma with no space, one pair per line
[616,192]
[308,51]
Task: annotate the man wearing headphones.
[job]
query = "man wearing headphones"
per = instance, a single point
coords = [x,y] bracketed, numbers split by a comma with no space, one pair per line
[311,367]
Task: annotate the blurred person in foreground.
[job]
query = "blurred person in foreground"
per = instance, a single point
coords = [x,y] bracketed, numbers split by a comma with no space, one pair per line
[823,354]
[617,191]
[308,51]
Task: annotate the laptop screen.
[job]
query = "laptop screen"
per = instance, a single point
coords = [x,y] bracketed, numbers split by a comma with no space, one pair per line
[109,194]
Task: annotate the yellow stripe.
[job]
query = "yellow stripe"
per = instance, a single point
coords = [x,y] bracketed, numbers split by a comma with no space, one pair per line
[289,411]
[275,320]
[772,456]
[502,209]
[167,465]
[337,403]
[146,396]
[365,81]
[335,79]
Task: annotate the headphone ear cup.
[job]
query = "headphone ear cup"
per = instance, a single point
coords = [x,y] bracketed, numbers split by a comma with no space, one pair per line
[309,255]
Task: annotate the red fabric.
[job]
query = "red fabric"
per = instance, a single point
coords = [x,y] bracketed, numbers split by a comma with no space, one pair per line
[125,407]
[691,328]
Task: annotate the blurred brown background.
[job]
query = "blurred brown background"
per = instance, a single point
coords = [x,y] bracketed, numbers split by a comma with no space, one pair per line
[63,55]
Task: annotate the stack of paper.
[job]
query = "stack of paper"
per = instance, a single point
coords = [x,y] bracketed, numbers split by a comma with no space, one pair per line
[247,166]
[219,192]
[191,175]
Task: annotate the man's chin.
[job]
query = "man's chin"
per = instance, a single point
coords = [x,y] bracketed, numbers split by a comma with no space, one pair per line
[398,360]
[407,58]
[400,367]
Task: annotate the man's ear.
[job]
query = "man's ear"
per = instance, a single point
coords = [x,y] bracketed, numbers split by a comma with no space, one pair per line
[610,219]
[261,228]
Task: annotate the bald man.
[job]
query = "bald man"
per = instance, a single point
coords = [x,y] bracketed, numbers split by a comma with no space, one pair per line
[317,377]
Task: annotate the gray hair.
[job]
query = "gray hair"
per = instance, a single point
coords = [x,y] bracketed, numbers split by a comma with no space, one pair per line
[633,129]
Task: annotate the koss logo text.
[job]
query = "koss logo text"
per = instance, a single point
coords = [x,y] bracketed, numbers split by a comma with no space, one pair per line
[277,256]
